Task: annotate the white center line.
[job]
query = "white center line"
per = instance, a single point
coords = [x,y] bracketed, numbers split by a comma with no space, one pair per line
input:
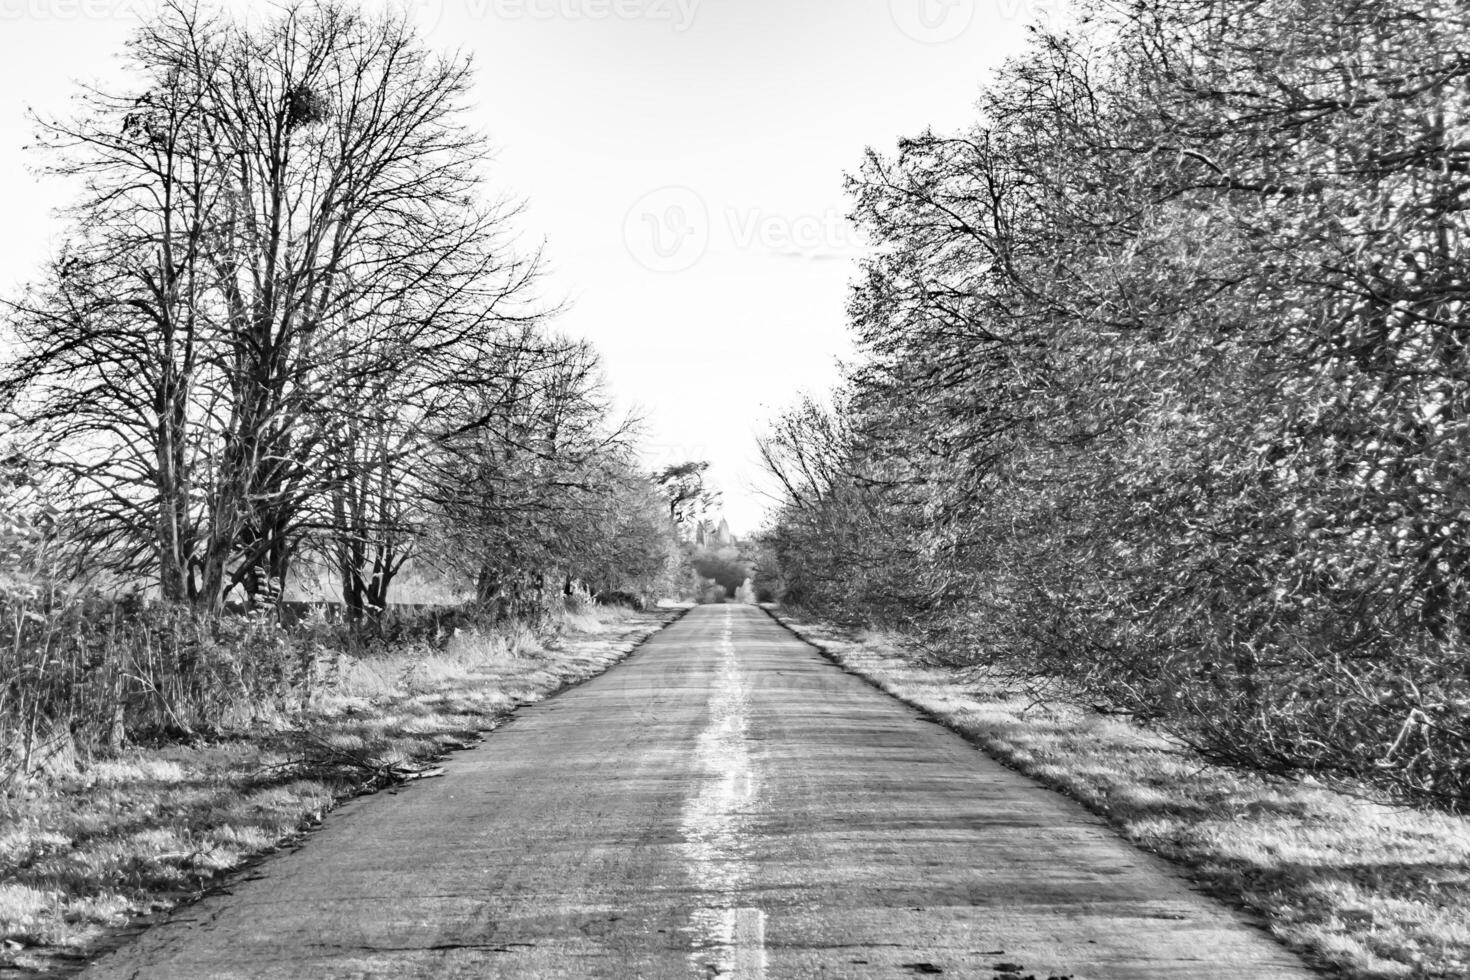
[729,940]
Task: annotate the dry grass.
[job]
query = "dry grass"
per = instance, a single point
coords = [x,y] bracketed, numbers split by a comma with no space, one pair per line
[94,845]
[1369,890]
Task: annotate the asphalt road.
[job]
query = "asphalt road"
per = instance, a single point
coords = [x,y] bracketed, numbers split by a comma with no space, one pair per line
[726,803]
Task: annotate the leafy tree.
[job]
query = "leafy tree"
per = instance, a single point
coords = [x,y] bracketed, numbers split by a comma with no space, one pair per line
[689,498]
[1163,386]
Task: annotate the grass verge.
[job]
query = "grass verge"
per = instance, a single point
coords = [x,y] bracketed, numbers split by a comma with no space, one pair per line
[1367,890]
[94,846]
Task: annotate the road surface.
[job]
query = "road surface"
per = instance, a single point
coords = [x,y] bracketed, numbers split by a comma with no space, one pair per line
[726,803]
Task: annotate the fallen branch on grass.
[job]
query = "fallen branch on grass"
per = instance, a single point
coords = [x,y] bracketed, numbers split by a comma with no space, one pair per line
[315,756]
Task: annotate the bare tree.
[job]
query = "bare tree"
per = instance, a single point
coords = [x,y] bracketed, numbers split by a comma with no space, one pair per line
[284,242]
[523,490]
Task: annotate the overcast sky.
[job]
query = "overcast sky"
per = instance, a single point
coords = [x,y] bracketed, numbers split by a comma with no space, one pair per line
[682,159]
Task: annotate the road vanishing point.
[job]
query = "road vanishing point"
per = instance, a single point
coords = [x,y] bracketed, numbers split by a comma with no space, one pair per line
[725,803]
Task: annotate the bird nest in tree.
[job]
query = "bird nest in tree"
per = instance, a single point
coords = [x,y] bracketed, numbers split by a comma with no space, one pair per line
[304,106]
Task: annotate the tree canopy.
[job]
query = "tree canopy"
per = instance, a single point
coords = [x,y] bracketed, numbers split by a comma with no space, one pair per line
[1164,384]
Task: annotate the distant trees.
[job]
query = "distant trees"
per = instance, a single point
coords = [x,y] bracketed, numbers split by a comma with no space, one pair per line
[288,311]
[711,566]
[725,567]
[540,487]
[689,497]
[1165,384]
[844,540]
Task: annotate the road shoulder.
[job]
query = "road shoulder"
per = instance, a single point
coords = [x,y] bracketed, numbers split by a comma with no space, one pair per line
[94,858]
[1367,890]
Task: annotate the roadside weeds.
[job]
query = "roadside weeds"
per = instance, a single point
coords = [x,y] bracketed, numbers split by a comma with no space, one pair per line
[1367,890]
[91,850]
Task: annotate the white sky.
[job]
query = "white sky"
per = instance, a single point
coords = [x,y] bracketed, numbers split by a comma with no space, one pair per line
[683,160]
